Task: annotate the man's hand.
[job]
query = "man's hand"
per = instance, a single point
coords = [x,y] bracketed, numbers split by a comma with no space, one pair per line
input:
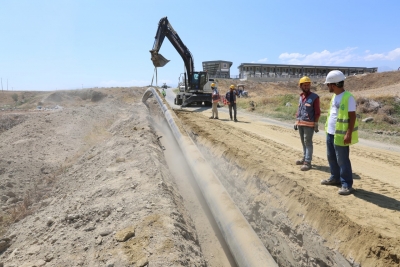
[316,127]
[295,127]
[347,138]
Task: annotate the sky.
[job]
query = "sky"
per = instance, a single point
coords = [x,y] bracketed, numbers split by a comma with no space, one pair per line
[73,44]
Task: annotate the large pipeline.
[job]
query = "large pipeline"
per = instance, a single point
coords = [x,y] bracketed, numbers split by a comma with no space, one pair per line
[244,244]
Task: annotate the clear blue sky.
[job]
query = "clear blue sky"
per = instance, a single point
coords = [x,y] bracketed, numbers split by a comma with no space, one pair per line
[70,44]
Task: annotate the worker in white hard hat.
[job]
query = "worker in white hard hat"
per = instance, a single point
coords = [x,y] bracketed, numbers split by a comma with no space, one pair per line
[215,100]
[307,117]
[341,129]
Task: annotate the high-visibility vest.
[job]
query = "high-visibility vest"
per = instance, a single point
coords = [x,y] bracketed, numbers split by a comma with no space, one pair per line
[342,122]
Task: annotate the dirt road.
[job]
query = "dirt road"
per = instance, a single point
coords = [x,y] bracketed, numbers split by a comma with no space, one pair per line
[256,164]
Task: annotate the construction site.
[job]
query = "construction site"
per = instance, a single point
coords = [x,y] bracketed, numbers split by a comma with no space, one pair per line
[143,177]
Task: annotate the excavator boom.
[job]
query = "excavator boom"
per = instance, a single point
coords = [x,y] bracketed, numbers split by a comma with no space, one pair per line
[197,87]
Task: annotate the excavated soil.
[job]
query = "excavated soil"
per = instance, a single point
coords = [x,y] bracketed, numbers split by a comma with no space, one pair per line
[87,184]
[302,222]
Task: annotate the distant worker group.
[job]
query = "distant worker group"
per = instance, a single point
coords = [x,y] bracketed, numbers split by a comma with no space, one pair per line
[341,128]
[230,97]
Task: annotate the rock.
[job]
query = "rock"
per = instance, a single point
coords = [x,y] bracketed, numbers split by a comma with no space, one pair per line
[110,263]
[71,217]
[39,263]
[12,200]
[4,245]
[105,232]
[369,119]
[49,257]
[4,198]
[125,234]
[142,262]
[10,194]
[33,250]
[50,221]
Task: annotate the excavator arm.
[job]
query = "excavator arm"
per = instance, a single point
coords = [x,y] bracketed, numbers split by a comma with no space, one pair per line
[165,30]
[197,85]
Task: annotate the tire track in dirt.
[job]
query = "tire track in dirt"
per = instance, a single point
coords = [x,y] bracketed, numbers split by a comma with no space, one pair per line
[363,227]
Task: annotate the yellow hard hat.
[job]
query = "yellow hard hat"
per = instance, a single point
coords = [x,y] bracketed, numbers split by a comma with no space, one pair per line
[304,79]
[213,85]
[232,86]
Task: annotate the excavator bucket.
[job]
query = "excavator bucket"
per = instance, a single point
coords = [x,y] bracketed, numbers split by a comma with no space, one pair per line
[158,59]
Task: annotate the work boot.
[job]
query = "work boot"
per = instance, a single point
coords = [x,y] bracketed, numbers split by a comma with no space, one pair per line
[231,118]
[236,120]
[300,162]
[216,118]
[306,166]
[330,182]
[345,191]
[211,117]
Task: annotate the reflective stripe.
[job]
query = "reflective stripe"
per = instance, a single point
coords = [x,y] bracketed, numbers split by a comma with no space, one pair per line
[305,123]
[344,132]
[343,120]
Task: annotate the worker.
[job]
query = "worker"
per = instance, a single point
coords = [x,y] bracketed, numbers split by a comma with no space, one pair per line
[163,92]
[231,99]
[307,117]
[215,100]
[341,129]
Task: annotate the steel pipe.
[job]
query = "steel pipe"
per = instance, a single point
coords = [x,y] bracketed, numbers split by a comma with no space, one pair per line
[244,244]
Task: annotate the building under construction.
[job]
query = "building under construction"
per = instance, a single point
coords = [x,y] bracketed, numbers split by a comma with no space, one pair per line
[276,72]
[218,68]
[281,70]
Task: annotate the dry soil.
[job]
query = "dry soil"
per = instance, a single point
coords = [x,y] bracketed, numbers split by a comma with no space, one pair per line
[86,182]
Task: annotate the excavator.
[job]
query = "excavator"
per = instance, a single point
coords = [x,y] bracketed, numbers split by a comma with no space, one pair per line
[196,86]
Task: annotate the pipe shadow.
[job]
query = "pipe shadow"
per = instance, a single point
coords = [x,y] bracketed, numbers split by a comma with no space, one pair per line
[378,199]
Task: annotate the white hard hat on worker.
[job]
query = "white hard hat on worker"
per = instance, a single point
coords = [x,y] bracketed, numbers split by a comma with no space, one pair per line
[335,76]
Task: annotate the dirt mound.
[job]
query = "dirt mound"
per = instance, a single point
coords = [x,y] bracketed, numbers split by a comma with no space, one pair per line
[373,80]
[360,82]
[88,186]
[55,97]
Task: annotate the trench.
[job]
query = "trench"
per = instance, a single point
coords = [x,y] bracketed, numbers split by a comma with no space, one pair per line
[212,243]
[244,245]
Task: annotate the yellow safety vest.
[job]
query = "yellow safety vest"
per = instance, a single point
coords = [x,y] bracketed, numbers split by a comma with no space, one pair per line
[342,123]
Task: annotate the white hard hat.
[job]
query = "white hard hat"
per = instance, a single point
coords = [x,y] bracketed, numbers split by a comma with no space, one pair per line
[335,76]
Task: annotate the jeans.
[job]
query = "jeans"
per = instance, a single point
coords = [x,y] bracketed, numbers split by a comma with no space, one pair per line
[215,110]
[306,135]
[232,105]
[339,162]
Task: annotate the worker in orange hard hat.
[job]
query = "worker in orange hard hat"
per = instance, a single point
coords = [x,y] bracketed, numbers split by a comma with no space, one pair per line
[307,117]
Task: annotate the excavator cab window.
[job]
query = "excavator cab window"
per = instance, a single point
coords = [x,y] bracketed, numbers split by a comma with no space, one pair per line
[195,81]
[203,79]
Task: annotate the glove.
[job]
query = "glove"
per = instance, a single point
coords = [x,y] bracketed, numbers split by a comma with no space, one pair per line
[295,127]
[316,127]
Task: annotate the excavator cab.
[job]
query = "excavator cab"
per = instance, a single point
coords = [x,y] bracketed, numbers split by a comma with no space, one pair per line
[199,80]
